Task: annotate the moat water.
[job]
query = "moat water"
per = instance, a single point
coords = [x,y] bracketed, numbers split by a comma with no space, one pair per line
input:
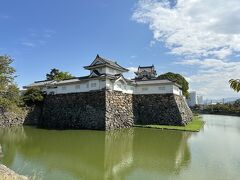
[213,153]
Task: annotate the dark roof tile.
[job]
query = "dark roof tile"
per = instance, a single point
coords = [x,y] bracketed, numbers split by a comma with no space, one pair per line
[109,62]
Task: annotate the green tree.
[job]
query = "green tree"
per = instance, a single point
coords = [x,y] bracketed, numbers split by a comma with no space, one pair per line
[13,94]
[9,93]
[179,79]
[33,95]
[237,103]
[235,84]
[6,72]
[58,75]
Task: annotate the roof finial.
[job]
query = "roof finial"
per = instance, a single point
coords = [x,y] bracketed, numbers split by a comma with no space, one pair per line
[97,56]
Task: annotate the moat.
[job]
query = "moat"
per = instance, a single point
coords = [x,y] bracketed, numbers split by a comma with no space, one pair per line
[135,153]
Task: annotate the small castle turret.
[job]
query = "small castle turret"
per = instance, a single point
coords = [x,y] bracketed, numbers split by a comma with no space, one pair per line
[146,73]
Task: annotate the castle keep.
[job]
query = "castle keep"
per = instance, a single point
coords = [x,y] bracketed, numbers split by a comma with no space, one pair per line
[106,100]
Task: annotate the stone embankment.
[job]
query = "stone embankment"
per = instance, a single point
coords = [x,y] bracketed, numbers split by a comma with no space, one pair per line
[27,116]
[8,174]
[161,109]
[119,110]
[8,118]
[102,110]
[74,111]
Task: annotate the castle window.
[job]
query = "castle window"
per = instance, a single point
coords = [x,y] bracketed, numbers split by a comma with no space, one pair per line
[87,85]
[93,84]
[64,88]
[145,89]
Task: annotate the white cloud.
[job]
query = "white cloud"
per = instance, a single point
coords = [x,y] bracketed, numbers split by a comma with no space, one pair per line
[28,44]
[132,69]
[152,43]
[131,73]
[206,33]
[2,16]
[48,33]
[37,37]
[194,27]
[212,76]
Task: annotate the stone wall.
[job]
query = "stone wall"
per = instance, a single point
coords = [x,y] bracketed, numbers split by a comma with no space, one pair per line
[184,110]
[10,118]
[74,111]
[103,110]
[8,174]
[119,110]
[34,114]
[24,115]
[161,109]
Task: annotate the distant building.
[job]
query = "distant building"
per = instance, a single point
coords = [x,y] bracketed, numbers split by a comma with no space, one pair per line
[200,99]
[194,99]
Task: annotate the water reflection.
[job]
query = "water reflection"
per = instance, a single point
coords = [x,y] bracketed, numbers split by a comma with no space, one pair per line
[118,158]
[10,139]
[164,152]
[1,152]
[94,154]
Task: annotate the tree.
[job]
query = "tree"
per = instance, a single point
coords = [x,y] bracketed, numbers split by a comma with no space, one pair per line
[237,103]
[9,93]
[179,79]
[33,95]
[58,75]
[13,94]
[235,84]
[6,72]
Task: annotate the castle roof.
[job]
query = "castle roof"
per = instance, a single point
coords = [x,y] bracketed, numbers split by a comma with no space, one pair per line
[101,62]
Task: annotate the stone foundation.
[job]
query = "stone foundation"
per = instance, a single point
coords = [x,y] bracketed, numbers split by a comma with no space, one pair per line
[161,109]
[8,174]
[74,111]
[119,110]
[33,115]
[184,110]
[109,110]
[10,118]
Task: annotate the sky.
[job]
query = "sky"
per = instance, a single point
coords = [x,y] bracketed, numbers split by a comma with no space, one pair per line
[199,39]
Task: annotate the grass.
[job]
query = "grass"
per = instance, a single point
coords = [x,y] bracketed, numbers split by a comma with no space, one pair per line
[194,126]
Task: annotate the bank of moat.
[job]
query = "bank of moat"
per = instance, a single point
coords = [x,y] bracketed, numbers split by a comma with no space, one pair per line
[106,100]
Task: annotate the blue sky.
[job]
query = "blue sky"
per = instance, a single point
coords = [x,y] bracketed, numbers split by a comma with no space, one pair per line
[41,35]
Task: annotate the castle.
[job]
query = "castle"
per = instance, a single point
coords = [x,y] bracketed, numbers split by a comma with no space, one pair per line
[106,100]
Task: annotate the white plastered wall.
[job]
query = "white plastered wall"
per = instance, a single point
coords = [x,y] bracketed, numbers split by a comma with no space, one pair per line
[119,85]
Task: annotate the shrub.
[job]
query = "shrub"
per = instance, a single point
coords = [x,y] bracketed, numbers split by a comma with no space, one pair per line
[33,96]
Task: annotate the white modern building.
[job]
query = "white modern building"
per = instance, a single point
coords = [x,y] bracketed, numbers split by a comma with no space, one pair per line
[194,99]
[108,75]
